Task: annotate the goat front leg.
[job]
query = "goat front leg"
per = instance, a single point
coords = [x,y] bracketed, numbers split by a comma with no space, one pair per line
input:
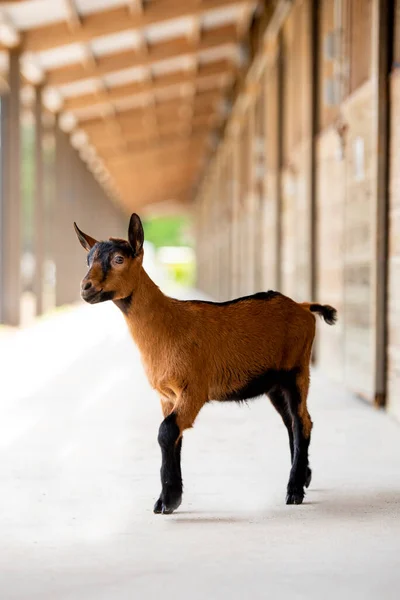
[170,433]
[170,440]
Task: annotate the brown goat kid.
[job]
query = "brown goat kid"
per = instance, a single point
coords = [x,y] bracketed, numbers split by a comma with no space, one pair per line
[195,351]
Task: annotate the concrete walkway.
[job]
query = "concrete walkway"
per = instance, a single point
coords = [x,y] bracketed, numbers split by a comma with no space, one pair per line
[79,472]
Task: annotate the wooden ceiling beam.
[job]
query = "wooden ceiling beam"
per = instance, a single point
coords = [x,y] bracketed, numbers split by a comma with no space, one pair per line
[75,22]
[74,19]
[84,117]
[128,59]
[196,143]
[103,140]
[156,194]
[114,146]
[172,109]
[114,132]
[243,23]
[154,173]
[203,124]
[156,188]
[162,158]
[216,69]
[134,203]
[135,6]
[116,20]
[182,109]
[166,173]
[157,182]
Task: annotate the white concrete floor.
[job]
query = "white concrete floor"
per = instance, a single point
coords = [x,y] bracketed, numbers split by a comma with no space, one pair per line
[79,473]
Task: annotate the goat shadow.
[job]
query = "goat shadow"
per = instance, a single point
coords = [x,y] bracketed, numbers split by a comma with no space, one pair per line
[341,504]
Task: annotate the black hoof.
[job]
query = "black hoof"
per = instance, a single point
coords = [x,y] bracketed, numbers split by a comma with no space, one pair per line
[295,498]
[167,507]
[308,477]
[158,507]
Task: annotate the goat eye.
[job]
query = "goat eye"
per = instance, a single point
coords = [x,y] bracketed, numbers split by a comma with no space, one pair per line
[119,259]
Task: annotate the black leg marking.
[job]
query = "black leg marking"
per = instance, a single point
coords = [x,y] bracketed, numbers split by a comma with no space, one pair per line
[279,402]
[308,477]
[300,474]
[171,477]
[178,451]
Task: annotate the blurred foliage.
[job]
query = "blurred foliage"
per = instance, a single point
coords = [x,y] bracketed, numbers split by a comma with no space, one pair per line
[168,231]
[183,274]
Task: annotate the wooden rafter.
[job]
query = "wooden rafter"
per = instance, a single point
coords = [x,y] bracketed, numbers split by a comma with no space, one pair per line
[110,147]
[182,102]
[177,196]
[170,155]
[75,22]
[117,20]
[109,144]
[243,23]
[156,191]
[196,143]
[157,150]
[74,19]
[128,59]
[222,68]
[155,188]
[203,119]
[169,108]
[158,181]
[195,35]
[135,6]
[116,133]
[148,175]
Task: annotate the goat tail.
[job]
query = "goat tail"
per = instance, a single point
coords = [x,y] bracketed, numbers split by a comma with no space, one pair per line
[328,313]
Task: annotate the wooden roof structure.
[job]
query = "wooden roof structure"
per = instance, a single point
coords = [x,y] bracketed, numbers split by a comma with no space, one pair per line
[142,86]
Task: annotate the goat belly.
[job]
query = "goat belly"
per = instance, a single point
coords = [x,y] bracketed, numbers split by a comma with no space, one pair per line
[257,385]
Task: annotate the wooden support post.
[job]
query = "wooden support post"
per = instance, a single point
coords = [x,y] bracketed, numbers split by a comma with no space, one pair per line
[235,215]
[253,199]
[383,19]
[314,110]
[229,224]
[280,109]
[202,243]
[11,197]
[50,202]
[39,217]
[213,217]
[60,244]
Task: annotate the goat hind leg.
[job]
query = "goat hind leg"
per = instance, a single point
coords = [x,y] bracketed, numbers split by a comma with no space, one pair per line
[300,474]
[279,402]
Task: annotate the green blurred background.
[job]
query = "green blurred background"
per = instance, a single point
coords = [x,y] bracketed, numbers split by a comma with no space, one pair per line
[167,232]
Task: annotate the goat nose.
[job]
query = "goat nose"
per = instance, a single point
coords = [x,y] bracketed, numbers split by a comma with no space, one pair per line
[87,286]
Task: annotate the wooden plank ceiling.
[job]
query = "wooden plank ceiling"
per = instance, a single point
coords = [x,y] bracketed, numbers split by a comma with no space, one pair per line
[140,85]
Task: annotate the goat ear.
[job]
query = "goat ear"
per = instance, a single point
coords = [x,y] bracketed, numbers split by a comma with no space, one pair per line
[136,234]
[86,241]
